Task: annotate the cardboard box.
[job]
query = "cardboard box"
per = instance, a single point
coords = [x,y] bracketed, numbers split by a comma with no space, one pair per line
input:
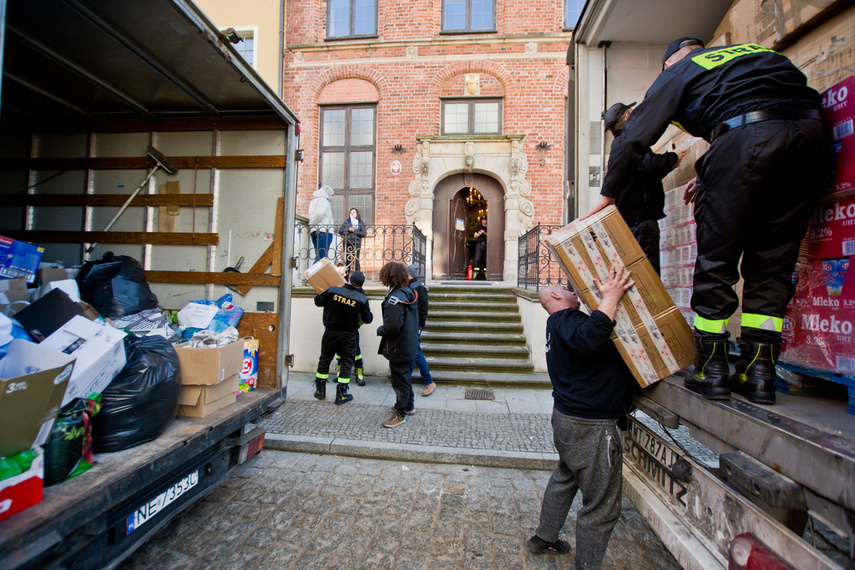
[13,290]
[23,490]
[99,352]
[650,332]
[209,366]
[49,274]
[33,382]
[19,259]
[46,315]
[322,275]
[200,401]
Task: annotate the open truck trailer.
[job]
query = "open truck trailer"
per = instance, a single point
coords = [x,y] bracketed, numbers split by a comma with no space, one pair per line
[784,474]
[96,96]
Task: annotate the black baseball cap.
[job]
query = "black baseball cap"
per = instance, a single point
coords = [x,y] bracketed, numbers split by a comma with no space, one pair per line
[677,45]
[357,278]
[613,114]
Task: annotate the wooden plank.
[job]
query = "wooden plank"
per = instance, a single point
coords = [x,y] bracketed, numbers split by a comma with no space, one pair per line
[263,326]
[181,238]
[213,278]
[143,163]
[106,200]
[259,267]
[277,238]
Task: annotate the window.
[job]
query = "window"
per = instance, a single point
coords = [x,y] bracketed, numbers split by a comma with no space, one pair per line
[347,158]
[572,11]
[245,47]
[351,18]
[468,15]
[472,117]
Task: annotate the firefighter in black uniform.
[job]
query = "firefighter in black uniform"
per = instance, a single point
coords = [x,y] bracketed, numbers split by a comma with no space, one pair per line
[754,193]
[642,203]
[345,309]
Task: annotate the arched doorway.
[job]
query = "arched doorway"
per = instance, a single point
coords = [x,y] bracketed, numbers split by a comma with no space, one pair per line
[454,218]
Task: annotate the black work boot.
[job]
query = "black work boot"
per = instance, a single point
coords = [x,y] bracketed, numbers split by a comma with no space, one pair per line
[320,388]
[710,379]
[755,370]
[341,395]
[360,378]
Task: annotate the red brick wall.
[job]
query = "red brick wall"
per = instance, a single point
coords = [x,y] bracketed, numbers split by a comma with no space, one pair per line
[408,87]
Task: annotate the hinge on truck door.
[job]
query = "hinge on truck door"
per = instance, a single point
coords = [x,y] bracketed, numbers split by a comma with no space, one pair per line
[294,263]
[289,360]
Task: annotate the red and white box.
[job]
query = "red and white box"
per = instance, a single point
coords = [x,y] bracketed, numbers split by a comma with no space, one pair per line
[23,490]
[838,103]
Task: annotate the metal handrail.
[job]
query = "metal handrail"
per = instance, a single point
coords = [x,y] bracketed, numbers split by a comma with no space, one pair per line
[382,243]
[536,268]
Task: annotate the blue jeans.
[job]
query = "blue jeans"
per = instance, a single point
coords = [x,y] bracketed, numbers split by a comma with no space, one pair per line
[321,241]
[422,364]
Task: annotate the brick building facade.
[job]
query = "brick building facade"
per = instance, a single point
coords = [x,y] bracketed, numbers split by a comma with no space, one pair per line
[412,109]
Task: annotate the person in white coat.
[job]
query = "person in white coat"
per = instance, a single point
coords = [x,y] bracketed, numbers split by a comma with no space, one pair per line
[321,221]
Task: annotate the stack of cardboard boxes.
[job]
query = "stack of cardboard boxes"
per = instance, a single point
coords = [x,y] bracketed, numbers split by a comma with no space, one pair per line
[651,334]
[209,378]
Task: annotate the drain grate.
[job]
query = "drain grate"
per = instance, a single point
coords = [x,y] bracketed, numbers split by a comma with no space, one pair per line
[479,394]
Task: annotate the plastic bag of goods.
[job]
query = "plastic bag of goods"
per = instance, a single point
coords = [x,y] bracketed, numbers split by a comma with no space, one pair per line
[68,451]
[142,400]
[115,286]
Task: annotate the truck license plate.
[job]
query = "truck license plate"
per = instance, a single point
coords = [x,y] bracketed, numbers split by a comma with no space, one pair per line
[655,458]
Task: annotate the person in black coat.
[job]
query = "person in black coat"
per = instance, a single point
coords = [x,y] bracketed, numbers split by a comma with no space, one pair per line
[352,230]
[642,203]
[399,334]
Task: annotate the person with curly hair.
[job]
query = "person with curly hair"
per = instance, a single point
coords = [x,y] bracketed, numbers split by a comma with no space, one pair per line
[399,334]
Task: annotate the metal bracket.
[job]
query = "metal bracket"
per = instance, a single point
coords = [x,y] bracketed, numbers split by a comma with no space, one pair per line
[289,360]
[294,263]
[760,481]
[662,415]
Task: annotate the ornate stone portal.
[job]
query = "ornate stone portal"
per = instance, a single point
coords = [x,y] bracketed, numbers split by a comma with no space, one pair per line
[501,157]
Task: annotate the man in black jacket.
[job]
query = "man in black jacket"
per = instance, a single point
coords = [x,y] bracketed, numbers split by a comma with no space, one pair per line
[400,337]
[591,388]
[641,202]
[754,194]
[422,301]
[345,309]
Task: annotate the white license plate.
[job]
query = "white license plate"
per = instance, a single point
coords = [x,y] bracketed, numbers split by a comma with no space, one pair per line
[654,457]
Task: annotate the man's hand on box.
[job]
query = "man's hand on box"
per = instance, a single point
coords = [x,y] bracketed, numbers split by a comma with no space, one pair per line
[613,289]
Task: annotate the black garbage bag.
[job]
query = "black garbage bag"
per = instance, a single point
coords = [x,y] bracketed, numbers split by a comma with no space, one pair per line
[115,286]
[68,451]
[142,400]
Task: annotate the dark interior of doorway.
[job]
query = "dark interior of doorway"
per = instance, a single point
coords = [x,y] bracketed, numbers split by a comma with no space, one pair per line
[476,207]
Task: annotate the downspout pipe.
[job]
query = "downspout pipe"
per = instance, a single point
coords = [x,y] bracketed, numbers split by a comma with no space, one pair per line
[605,47]
[570,137]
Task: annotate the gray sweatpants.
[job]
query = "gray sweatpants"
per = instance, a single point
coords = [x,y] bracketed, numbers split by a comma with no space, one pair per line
[591,461]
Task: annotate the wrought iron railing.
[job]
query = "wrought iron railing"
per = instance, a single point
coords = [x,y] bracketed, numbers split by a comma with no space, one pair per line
[536,268]
[381,244]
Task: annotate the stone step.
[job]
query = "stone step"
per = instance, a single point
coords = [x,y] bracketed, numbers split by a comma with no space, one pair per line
[466,327]
[473,317]
[436,297]
[482,380]
[468,364]
[480,338]
[473,305]
[474,351]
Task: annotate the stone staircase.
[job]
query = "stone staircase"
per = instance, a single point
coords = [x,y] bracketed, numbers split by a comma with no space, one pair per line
[474,336]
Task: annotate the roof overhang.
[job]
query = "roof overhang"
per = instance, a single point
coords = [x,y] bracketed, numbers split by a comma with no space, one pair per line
[95,60]
[648,21]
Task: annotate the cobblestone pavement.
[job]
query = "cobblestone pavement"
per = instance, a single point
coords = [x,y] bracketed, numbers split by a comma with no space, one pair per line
[458,486]
[296,510]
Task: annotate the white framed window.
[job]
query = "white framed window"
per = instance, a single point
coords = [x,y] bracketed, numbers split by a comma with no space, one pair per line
[471,116]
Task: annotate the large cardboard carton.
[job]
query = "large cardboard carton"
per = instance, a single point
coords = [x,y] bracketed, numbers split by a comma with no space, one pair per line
[200,401]
[322,275]
[19,259]
[33,382]
[651,334]
[23,490]
[209,366]
[99,352]
[13,290]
